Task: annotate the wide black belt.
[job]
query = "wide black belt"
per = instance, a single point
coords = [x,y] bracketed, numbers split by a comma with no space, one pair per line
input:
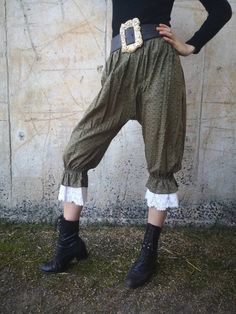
[146,31]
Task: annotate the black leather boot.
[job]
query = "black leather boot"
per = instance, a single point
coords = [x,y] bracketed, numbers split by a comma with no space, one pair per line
[143,268]
[69,246]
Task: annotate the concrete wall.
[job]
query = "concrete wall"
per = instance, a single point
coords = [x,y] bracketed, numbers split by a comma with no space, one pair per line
[51,58]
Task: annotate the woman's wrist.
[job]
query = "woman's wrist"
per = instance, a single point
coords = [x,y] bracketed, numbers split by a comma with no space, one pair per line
[191,48]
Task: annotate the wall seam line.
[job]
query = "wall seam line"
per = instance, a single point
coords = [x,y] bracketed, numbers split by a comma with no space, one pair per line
[8,100]
[200,114]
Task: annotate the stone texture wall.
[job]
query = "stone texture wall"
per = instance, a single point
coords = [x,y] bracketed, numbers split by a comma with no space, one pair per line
[51,58]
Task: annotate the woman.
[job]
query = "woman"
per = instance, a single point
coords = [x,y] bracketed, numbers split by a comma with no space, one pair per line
[143,80]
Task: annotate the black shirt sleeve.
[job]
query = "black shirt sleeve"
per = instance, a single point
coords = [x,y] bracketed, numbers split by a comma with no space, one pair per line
[219,13]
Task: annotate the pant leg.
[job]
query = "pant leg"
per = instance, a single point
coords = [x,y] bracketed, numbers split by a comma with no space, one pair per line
[90,138]
[162,114]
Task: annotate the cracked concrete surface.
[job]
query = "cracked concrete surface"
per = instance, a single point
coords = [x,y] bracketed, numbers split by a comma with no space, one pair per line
[51,58]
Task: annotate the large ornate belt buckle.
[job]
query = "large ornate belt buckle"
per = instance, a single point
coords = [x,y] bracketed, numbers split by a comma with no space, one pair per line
[135,23]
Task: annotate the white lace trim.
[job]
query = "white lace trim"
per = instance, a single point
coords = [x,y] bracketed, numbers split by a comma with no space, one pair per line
[161,201]
[71,194]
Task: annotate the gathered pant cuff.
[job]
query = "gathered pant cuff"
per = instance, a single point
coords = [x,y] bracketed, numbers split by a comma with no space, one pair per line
[71,194]
[72,178]
[165,185]
[161,201]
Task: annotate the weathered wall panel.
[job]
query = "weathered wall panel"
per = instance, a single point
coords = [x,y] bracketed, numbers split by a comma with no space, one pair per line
[54,53]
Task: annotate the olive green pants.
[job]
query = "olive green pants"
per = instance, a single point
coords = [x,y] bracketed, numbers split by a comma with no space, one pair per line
[147,85]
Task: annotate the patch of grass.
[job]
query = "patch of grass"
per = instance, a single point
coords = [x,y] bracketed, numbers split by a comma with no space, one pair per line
[194,264]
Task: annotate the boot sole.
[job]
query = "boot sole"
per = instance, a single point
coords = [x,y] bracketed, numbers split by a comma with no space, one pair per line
[141,283]
[62,270]
[129,285]
[81,257]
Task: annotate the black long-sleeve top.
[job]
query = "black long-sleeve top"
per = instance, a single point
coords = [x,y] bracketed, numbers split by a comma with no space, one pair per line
[159,11]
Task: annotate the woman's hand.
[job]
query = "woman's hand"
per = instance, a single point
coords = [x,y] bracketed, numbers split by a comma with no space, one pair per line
[182,48]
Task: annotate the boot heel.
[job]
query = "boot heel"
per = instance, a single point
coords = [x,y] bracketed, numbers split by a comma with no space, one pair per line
[83,254]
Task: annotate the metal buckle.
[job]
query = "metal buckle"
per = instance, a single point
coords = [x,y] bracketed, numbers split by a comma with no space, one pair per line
[135,23]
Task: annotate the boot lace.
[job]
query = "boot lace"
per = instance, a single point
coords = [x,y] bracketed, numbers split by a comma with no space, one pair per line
[145,254]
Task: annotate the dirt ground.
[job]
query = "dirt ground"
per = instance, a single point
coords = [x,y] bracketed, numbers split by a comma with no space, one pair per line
[196,271]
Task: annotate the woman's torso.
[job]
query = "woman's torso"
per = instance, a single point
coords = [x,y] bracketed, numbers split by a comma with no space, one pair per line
[148,11]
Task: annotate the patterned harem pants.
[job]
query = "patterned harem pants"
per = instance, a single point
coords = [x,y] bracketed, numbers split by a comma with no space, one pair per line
[147,85]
